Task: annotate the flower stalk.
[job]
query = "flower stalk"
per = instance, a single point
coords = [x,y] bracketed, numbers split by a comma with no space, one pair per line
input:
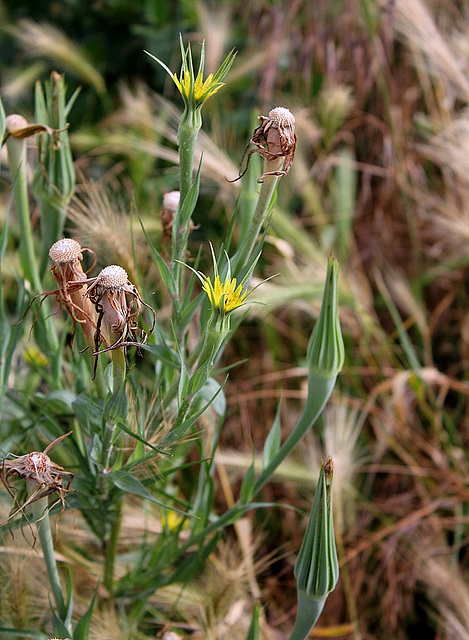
[325,360]
[40,511]
[275,141]
[195,91]
[17,129]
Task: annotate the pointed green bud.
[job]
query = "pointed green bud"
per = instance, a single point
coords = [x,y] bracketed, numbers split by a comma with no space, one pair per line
[326,346]
[316,568]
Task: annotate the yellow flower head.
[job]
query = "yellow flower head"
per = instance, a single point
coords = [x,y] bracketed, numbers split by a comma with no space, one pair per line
[34,356]
[202,89]
[226,295]
[191,85]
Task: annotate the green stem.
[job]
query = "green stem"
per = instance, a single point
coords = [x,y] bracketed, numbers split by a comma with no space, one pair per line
[16,149]
[187,135]
[118,379]
[188,131]
[41,517]
[309,610]
[111,548]
[45,334]
[261,213]
[320,388]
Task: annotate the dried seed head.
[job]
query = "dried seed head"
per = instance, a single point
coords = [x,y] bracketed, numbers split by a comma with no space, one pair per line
[117,303]
[282,116]
[43,476]
[274,140]
[66,256]
[37,463]
[65,251]
[112,277]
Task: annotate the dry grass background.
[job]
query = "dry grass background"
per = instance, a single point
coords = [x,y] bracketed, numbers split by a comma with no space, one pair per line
[380,92]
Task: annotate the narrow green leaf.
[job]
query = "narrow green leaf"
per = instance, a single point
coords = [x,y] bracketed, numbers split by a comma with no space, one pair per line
[247,487]
[116,408]
[254,627]
[212,392]
[272,442]
[89,411]
[129,484]
[83,626]
[164,270]
[59,627]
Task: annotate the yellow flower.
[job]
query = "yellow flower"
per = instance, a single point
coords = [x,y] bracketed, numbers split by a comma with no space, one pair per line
[227,295]
[172,520]
[34,356]
[203,89]
[190,83]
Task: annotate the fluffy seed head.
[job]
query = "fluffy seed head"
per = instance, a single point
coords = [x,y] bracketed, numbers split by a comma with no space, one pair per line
[284,117]
[65,251]
[113,277]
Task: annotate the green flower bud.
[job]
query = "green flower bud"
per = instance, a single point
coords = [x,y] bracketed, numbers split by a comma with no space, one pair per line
[316,568]
[326,346]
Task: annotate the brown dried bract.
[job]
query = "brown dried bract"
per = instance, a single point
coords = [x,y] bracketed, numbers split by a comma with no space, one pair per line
[274,139]
[328,467]
[118,304]
[44,476]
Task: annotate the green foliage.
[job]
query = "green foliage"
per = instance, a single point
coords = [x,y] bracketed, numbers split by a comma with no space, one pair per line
[175,446]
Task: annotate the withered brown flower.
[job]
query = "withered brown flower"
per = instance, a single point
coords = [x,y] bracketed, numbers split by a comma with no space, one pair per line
[275,139]
[66,257]
[44,477]
[18,127]
[118,304]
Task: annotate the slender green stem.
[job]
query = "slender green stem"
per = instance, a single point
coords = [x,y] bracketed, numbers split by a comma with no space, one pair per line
[188,131]
[323,386]
[41,516]
[187,134]
[111,548]
[309,611]
[17,158]
[118,379]
[320,389]
[261,213]
[45,334]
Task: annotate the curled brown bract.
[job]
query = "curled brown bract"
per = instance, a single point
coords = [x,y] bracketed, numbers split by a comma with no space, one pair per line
[274,139]
[118,304]
[44,477]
